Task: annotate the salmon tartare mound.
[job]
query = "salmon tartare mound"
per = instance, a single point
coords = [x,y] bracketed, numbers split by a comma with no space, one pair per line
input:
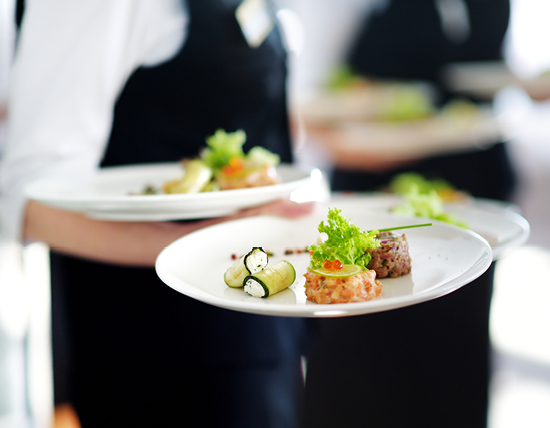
[356,288]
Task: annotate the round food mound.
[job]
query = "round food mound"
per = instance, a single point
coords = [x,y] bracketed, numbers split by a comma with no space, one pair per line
[356,288]
[391,259]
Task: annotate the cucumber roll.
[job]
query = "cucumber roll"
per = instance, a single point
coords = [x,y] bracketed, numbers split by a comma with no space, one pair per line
[197,176]
[271,280]
[250,263]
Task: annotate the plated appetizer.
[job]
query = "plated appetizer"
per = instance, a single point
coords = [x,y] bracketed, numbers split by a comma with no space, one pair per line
[344,267]
[223,165]
[397,101]
[364,122]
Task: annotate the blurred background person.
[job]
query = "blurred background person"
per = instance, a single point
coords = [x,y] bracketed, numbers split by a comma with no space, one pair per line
[104,83]
[427,365]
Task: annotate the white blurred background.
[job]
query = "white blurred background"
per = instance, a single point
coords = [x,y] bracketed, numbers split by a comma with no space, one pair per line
[520,320]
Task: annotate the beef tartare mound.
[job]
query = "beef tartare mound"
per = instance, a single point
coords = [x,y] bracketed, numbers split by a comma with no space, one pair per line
[391,259]
[356,288]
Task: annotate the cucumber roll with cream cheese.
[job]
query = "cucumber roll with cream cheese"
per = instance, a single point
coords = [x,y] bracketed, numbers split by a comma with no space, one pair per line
[252,262]
[271,280]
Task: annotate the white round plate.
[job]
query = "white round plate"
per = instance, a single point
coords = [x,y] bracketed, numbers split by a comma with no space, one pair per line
[434,136]
[444,258]
[496,221]
[354,133]
[485,79]
[114,194]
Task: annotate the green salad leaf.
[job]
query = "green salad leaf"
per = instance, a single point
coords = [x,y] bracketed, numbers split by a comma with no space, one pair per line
[345,242]
[222,146]
[427,205]
[260,156]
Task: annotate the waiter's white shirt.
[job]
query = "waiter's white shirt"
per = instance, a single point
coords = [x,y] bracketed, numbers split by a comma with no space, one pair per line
[72,61]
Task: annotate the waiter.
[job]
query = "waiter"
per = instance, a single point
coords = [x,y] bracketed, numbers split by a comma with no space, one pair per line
[140,81]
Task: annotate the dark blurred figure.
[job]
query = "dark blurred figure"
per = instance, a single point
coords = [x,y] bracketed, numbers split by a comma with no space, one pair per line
[426,365]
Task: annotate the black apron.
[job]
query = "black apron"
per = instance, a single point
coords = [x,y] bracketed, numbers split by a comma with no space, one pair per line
[216,81]
[126,346]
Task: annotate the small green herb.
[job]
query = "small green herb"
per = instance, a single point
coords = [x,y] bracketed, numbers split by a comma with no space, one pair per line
[404,227]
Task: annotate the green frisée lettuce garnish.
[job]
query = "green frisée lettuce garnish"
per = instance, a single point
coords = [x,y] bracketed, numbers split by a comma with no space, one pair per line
[427,205]
[345,242]
[224,147]
[424,197]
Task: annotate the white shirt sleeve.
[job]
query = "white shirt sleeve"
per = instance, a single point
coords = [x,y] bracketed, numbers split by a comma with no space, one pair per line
[7,40]
[72,61]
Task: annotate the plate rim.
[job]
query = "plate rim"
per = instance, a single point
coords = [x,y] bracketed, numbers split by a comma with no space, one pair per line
[165,207]
[30,191]
[504,209]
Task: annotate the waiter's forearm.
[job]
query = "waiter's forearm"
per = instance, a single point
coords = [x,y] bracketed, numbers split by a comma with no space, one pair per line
[126,243]
[129,243]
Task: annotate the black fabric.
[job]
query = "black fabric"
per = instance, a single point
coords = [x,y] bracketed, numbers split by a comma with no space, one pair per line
[126,346]
[140,351]
[423,366]
[216,81]
[19,11]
